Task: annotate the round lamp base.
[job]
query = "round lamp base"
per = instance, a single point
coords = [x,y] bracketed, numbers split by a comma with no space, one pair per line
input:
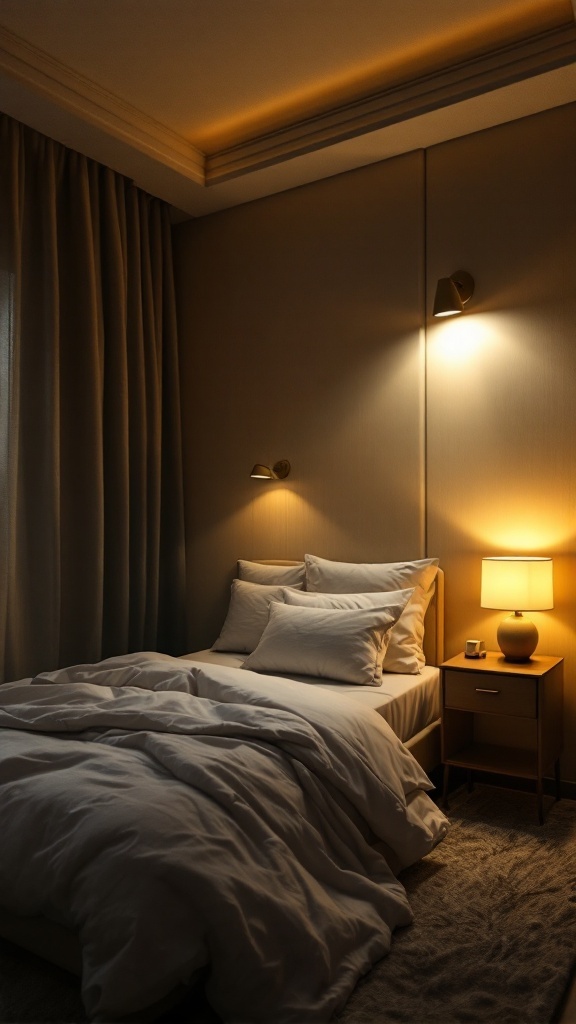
[517,637]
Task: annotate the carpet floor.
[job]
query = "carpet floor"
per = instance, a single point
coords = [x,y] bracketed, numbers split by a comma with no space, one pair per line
[494,933]
[493,938]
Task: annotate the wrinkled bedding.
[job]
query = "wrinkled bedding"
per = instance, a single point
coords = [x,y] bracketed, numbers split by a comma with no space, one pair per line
[177,815]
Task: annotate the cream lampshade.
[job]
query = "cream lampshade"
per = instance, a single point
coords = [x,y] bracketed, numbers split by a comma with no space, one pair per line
[521,584]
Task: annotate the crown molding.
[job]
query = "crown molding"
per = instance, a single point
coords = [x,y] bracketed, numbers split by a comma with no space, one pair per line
[523,59]
[41,73]
[32,71]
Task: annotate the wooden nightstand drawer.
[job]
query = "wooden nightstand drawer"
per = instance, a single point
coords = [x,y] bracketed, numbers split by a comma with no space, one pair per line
[491,693]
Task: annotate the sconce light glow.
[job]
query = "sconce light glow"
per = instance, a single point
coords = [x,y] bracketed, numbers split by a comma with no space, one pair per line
[455,342]
[452,294]
[279,471]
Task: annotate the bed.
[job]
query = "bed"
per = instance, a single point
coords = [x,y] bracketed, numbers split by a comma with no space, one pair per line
[410,702]
[166,819]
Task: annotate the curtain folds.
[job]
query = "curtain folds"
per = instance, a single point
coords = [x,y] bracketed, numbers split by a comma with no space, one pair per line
[91,509]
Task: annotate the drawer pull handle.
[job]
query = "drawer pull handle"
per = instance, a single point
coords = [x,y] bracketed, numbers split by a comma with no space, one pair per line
[479,689]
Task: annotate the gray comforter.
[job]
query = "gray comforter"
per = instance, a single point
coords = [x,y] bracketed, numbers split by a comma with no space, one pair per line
[178,816]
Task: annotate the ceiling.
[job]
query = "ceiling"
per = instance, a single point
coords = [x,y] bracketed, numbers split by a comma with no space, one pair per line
[212,103]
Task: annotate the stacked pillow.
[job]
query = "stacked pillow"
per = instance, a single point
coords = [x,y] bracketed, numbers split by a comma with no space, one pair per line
[256,586]
[329,643]
[353,621]
[247,615]
[367,581]
[258,572]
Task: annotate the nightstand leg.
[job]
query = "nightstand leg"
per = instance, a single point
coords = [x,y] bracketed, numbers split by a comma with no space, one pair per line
[557,777]
[540,802]
[445,788]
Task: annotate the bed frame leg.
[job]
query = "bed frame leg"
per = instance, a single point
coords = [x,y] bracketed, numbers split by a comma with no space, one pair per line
[445,787]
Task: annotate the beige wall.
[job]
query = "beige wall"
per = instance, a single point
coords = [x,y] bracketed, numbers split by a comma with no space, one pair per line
[501,423]
[303,322]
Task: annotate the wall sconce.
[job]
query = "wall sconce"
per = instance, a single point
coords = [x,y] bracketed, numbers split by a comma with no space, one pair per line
[279,471]
[517,582]
[452,293]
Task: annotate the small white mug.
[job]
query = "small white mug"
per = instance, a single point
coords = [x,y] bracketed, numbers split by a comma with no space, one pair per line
[475,649]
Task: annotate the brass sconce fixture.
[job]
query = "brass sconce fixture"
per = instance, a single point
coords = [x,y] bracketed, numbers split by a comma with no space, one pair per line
[279,471]
[452,293]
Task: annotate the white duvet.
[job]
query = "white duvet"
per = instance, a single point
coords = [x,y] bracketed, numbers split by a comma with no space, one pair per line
[177,815]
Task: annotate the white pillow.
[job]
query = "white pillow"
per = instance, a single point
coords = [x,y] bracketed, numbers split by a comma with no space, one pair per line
[346,645]
[327,577]
[405,653]
[271,575]
[247,615]
[343,602]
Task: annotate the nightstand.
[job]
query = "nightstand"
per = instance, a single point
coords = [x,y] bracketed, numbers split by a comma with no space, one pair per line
[504,717]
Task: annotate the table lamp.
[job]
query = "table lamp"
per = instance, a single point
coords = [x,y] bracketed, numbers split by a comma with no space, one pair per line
[524,584]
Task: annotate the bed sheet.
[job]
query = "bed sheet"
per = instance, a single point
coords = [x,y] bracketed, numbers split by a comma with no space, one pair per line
[407,702]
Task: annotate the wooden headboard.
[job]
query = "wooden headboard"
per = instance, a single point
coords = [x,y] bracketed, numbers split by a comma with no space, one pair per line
[434,624]
[434,621]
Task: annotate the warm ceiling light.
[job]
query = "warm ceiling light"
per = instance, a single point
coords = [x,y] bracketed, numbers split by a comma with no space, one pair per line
[452,293]
[522,584]
[279,471]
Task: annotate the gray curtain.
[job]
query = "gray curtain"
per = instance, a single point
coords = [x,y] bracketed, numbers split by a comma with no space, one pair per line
[91,507]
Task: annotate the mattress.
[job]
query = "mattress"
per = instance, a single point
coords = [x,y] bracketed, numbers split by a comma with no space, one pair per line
[408,703]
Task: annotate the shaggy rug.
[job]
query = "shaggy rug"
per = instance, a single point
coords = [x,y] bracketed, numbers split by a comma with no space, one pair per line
[493,938]
[494,932]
